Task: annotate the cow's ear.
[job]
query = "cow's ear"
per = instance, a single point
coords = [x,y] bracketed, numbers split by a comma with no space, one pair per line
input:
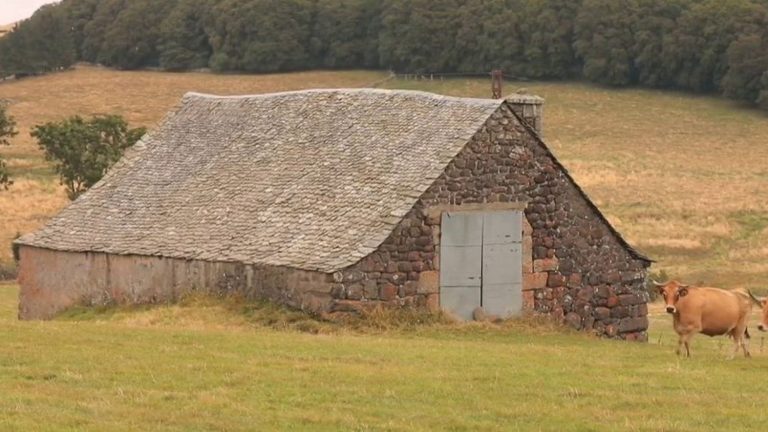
[660,289]
[682,291]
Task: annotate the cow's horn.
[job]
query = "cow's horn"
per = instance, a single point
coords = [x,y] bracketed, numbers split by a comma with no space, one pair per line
[658,284]
[755,299]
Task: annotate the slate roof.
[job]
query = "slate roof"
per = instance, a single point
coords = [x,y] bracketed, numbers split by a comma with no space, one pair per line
[313,179]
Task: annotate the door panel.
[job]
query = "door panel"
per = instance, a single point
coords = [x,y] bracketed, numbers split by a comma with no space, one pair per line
[481,262]
[461,229]
[460,266]
[461,301]
[502,263]
[503,300]
[502,227]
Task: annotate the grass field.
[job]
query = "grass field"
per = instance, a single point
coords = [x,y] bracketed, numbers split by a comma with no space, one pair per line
[209,367]
[683,177]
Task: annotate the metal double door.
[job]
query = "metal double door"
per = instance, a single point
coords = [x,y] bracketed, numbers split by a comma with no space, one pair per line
[481,262]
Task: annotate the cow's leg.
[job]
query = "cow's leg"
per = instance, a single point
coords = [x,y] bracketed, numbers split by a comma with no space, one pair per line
[736,344]
[684,342]
[688,345]
[744,337]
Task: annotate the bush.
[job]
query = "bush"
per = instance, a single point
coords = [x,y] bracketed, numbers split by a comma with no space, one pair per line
[85,149]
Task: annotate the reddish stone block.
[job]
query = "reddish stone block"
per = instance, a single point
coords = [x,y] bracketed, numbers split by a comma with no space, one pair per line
[574,280]
[429,282]
[433,302]
[535,280]
[613,301]
[545,265]
[388,292]
[555,280]
[528,300]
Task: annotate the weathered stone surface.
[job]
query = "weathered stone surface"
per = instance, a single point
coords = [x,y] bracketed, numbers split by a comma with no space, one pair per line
[535,280]
[433,302]
[573,320]
[602,313]
[545,265]
[627,325]
[355,291]
[409,289]
[371,290]
[631,299]
[528,300]
[388,291]
[429,282]
[555,280]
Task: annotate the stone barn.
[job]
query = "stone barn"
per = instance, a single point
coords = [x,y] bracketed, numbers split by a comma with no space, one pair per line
[336,200]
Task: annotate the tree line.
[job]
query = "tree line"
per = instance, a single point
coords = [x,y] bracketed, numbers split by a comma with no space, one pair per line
[698,45]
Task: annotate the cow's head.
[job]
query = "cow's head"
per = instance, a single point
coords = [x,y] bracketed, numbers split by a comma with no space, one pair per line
[671,291]
[763,303]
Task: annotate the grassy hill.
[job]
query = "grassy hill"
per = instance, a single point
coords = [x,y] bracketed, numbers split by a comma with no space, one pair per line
[210,366]
[683,177]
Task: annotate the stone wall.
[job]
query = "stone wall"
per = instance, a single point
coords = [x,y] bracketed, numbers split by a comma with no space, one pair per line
[575,268]
[52,281]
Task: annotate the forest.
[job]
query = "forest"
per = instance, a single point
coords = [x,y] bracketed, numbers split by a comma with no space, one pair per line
[707,46]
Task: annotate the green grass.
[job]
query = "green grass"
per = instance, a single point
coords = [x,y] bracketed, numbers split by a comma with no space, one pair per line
[211,366]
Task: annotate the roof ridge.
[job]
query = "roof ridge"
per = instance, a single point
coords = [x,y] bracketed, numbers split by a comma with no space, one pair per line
[350,90]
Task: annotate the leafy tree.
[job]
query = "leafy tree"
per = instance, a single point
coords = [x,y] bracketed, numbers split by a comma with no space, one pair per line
[488,36]
[695,53]
[41,43]
[747,69]
[655,21]
[95,31]
[262,35]
[132,40]
[418,35]
[340,33]
[7,130]
[547,33]
[185,36]
[83,150]
[79,13]
[604,41]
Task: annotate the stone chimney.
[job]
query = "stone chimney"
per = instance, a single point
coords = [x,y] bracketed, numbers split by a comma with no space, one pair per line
[529,107]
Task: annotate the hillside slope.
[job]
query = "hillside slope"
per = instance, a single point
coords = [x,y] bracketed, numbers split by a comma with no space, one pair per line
[683,177]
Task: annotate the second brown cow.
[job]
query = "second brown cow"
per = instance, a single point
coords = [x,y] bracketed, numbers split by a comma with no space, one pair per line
[710,311]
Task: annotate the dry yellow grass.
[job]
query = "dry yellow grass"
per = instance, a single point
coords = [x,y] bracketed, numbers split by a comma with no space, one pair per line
[684,178]
[143,98]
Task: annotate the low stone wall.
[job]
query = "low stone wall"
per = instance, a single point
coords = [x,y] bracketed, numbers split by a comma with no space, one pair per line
[52,281]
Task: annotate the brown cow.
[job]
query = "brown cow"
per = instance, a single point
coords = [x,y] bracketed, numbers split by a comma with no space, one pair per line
[763,303]
[711,311]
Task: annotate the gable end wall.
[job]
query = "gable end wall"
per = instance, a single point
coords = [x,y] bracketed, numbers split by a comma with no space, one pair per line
[575,268]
